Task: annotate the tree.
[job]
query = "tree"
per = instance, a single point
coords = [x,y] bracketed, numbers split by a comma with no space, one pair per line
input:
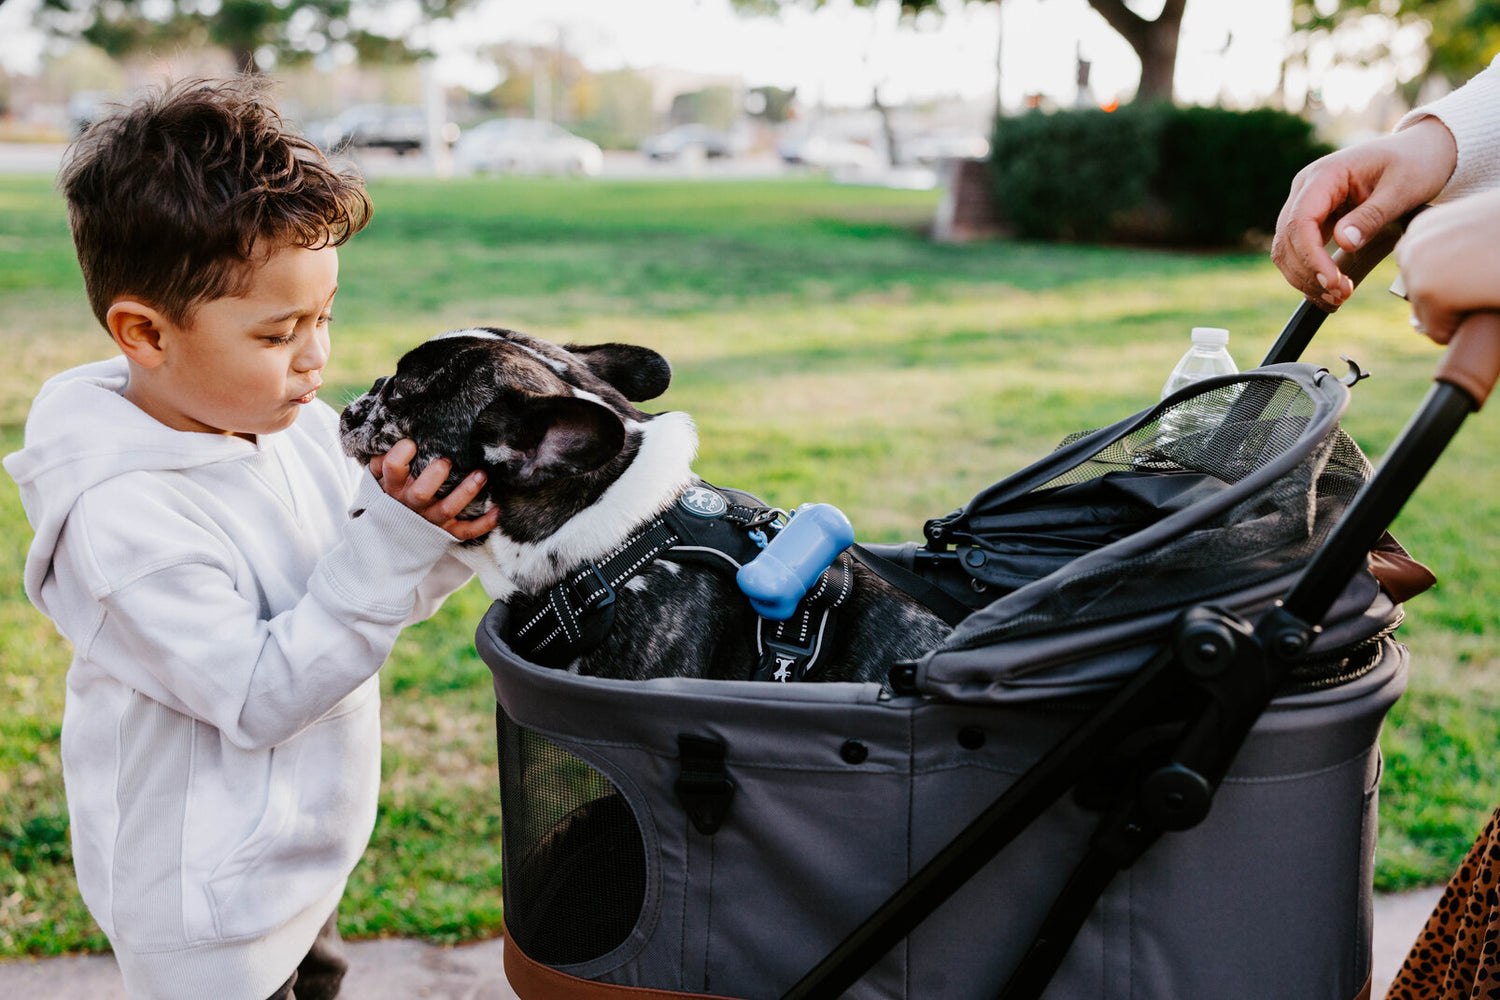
[252,30]
[1462,35]
[1153,40]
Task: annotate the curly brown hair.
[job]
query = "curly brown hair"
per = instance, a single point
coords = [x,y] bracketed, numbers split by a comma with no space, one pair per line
[171,198]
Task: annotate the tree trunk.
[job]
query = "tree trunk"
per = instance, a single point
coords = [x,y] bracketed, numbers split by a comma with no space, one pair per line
[887,129]
[1154,42]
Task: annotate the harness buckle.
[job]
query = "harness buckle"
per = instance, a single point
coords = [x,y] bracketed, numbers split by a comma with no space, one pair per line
[783,662]
[599,595]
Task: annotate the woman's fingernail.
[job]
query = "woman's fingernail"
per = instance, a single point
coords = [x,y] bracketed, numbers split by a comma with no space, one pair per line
[1331,298]
[1354,236]
[1322,281]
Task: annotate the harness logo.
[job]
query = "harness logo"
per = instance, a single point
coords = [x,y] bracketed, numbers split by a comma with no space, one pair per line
[702,502]
[784,666]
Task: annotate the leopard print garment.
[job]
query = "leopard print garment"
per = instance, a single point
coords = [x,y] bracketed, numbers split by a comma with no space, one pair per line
[1457,955]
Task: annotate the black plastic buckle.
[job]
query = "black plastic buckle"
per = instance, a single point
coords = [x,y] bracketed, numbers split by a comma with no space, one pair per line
[783,662]
[598,597]
[703,785]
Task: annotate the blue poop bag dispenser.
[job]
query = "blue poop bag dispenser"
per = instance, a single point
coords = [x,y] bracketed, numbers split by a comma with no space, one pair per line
[789,565]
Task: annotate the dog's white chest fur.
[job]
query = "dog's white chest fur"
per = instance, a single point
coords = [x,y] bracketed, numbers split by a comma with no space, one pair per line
[662,469]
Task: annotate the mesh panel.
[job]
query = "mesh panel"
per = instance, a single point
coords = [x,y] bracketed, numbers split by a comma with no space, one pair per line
[1228,433]
[575,864]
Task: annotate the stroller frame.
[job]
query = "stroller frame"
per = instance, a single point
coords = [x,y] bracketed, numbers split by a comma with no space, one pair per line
[1219,664]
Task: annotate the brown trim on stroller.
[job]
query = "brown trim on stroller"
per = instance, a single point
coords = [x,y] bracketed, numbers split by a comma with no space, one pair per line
[534,981]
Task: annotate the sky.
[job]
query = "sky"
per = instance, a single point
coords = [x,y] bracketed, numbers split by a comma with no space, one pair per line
[1229,50]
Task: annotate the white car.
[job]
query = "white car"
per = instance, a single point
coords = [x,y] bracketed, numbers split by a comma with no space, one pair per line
[525,146]
[827,152]
[935,147]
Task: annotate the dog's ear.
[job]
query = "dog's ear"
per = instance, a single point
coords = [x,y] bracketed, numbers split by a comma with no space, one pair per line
[638,372]
[527,440]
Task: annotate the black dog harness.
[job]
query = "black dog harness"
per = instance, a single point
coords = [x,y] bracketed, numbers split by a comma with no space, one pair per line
[721,527]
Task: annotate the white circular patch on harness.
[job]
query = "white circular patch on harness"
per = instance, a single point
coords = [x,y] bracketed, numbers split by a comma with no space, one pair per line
[702,502]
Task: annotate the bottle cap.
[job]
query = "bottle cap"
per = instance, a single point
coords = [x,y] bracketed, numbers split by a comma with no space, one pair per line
[1210,336]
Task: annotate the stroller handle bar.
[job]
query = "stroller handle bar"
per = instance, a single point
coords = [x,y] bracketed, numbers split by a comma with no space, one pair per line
[1472,361]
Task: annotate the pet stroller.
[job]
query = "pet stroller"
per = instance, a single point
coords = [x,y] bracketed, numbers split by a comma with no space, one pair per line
[1150,623]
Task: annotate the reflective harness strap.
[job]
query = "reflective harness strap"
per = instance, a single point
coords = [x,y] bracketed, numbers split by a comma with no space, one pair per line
[790,649]
[575,614]
[726,528]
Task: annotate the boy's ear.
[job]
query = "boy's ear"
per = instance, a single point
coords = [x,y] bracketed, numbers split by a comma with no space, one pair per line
[137,330]
[529,440]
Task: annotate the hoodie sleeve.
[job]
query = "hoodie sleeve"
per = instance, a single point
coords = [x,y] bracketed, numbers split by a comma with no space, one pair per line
[189,628]
[446,576]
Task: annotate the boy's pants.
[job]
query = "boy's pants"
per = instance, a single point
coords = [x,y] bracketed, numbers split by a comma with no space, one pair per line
[320,973]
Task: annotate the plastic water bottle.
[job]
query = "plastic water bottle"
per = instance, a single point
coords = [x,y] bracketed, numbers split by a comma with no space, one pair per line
[1209,356]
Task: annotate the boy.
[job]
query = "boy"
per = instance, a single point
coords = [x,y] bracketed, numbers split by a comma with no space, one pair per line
[220,740]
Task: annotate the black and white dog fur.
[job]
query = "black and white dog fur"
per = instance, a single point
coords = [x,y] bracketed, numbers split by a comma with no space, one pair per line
[576,469]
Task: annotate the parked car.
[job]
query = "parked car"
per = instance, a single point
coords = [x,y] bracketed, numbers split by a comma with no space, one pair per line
[934,147]
[675,141]
[525,145]
[400,128]
[827,152]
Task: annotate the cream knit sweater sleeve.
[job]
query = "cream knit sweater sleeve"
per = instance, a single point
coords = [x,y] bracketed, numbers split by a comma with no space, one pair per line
[1472,114]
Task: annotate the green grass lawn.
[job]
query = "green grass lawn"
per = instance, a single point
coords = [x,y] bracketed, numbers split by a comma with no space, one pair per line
[828,352]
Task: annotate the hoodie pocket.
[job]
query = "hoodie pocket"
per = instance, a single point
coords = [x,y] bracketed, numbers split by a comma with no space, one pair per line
[319,811]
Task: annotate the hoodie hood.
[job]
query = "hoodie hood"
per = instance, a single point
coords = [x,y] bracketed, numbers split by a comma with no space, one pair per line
[81,432]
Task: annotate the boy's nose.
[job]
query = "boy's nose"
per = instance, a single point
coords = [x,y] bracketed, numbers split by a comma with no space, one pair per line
[314,354]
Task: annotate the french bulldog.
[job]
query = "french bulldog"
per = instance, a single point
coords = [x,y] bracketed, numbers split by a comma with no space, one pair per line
[577,471]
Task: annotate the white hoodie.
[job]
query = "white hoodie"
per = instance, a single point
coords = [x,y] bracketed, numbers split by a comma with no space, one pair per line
[221,734]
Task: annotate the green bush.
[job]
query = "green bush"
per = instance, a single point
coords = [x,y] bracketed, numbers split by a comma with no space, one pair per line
[1068,175]
[1225,173]
[1148,173]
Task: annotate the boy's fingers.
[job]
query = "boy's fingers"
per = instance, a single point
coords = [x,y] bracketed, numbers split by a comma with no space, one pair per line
[462,495]
[465,491]
[394,466]
[393,476]
[402,452]
[481,525]
[430,481]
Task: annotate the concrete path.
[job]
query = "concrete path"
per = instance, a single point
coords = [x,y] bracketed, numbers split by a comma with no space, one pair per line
[411,970]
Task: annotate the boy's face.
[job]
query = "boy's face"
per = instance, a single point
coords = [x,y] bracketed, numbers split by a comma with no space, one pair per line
[246,364]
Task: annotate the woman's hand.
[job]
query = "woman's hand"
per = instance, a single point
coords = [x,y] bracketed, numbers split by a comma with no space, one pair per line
[393,472]
[1450,263]
[1353,193]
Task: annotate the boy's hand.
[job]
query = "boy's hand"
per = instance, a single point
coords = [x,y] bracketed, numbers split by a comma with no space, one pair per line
[393,472]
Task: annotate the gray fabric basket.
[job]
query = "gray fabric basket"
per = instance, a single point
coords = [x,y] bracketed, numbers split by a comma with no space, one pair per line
[1270,897]
[839,795]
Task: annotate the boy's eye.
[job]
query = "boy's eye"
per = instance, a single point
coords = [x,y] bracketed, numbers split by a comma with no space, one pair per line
[279,340]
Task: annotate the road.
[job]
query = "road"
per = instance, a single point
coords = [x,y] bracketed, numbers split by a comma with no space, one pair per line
[32,157]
